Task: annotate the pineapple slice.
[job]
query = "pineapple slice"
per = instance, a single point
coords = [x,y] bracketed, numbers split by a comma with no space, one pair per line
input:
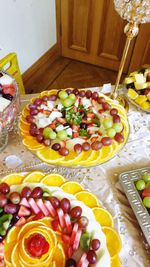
[145,105]
[140,86]
[139,78]
[140,99]
[132,93]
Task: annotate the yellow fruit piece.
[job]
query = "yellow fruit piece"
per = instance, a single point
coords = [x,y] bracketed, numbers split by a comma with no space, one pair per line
[115,261]
[132,93]
[48,93]
[49,155]
[140,99]
[23,121]
[148,96]
[7,251]
[87,198]
[12,235]
[46,221]
[72,159]
[53,179]
[13,178]
[107,152]
[31,143]
[113,240]
[24,127]
[25,112]
[145,105]
[103,217]
[88,157]
[34,177]
[59,256]
[25,228]
[94,159]
[71,187]
[15,256]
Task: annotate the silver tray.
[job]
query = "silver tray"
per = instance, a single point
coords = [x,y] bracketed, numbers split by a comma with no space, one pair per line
[127,181]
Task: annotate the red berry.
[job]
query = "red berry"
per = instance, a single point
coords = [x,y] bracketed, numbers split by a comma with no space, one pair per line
[4,188]
[116,118]
[76,212]
[65,205]
[37,192]
[26,192]
[86,146]
[55,202]
[91,256]
[78,148]
[113,111]
[119,138]
[40,138]
[95,244]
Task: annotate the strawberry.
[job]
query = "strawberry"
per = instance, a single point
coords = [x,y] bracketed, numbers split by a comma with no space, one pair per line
[9,89]
[1,251]
[82,260]
[70,252]
[65,238]
[24,202]
[34,206]
[91,115]
[50,208]
[61,120]
[75,128]
[146,192]
[93,139]
[23,211]
[61,217]
[77,239]
[100,133]
[74,232]
[52,125]
[89,131]
[85,263]
[91,124]
[21,221]
[39,216]
[75,134]
[101,111]
[55,224]
[42,207]
[68,223]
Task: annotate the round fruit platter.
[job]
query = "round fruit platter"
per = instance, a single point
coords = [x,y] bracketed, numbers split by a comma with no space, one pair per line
[48,221]
[74,127]
[138,88]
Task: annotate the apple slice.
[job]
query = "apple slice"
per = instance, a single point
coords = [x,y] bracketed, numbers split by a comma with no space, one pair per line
[21,221]
[77,240]
[42,207]
[23,211]
[24,202]
[61,218]
[74,232]
[50,208]
[33,205]
[68,223]
[82,260]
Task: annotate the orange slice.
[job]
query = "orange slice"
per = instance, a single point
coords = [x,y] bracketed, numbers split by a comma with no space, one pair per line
[72,159]
[72,187]
[87,198]
[34,177]
[88,156]
[115,261]
[49,155]
[15,256]
[24,127]
[25,112]
[53,179]
[103,217]
[107,152]
[23,120]
[12,235]
[7,252]
[50,92]
[113,240]
[59,256]
[13,178]
[32,143]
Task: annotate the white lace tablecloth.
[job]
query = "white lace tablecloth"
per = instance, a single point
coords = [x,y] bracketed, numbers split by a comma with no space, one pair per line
[101,180]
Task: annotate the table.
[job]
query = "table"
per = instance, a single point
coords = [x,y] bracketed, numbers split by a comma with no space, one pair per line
[135,154]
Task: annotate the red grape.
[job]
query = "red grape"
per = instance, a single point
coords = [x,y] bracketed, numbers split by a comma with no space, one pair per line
[26,192]
[68,91]
[119,138]
[113,111]
[64,151]
[75,91]
[82,93]
[33,126]
[15,197]
[52,97]
[146,91]
[95,95]
[106,106]
[70,263]
[55,202]
[65,205]
[3,200]
[29,118]
[37,102]
[101,100]
[32,106]
[106,141]
[47,142]
[11,208]
[76,212]
[86,146]
[33,112]
[56,146]
[37,192]
[45,98]
[148,77]
[83,222]
[96,145]
[95,244]
[40,138]
[78,148]
[4,188]
[88,93]
[91,256]
[116,118]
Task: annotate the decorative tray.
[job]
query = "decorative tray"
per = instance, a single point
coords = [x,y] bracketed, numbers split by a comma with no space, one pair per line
[127,180]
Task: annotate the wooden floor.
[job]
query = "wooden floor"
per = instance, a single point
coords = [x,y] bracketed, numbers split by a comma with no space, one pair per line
[65,73]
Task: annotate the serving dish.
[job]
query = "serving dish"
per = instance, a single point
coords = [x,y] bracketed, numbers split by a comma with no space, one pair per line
[127,180]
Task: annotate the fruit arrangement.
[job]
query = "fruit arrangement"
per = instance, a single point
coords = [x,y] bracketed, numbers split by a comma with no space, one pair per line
[74,127]
[143,187]
[138,87]
[48,221]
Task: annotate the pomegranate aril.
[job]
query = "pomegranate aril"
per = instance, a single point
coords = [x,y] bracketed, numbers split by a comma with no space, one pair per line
[37,192]
[65,205]
[4,188]
[26,192]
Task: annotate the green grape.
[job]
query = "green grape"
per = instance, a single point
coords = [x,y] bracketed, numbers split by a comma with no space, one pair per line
[46,132]
[146,202]
[146,177]
[62,135]
[107,123]
[111,132]
[68,102]
[52,135]
[63,94]
[118,127]
[140,185]
[72,97]
[148,185]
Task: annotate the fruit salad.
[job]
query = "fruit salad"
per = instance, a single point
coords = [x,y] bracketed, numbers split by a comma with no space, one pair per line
[143,187]
[72,127]
[48,221]
[138,86]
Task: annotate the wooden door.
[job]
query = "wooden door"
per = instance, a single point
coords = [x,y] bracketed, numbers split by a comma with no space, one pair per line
[92,31]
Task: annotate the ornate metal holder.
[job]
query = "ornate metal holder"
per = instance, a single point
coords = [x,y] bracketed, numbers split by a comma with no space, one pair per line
[135,12]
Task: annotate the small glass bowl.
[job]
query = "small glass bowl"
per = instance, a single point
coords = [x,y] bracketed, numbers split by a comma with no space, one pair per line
[8,115]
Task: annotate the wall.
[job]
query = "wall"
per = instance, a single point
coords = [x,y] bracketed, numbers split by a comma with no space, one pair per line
[28,27]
